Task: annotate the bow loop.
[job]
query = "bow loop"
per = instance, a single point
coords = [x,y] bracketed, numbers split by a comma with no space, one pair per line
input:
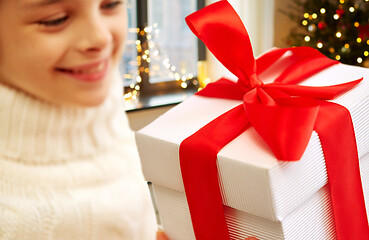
[211,25]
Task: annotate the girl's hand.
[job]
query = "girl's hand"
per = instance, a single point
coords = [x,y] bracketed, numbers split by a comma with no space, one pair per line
[160,235]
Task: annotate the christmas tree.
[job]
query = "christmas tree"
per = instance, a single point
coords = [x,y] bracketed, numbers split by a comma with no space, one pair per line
[337,28]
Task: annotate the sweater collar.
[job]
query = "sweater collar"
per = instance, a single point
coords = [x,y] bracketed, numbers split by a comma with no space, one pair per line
[34,131]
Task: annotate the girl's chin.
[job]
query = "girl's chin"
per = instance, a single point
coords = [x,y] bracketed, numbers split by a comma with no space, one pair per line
[81,99]
[94,101]
[91,96]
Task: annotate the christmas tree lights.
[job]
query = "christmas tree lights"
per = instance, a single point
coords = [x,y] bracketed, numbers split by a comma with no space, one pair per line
[337,28]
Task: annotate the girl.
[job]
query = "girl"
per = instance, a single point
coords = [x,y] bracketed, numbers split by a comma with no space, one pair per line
[68,169]
[68,165]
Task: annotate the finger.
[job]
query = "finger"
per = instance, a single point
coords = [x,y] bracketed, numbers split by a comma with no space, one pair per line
[160,235]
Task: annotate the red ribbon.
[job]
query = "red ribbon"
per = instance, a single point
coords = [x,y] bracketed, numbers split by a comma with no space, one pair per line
[283,114]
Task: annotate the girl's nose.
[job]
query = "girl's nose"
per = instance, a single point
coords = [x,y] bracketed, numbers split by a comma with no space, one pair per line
[95,35]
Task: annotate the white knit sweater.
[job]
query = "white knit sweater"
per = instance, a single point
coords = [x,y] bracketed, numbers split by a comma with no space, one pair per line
[70,173]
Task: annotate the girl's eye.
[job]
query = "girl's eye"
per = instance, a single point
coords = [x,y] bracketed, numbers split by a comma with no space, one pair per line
[54,22]
[111,5]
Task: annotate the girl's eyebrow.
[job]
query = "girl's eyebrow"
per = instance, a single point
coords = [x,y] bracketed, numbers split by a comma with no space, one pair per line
[41,3]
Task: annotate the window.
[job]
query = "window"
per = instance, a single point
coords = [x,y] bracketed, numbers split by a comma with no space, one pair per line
[160,61]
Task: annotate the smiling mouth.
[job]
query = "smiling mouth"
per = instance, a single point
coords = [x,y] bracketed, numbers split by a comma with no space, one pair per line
[90,72]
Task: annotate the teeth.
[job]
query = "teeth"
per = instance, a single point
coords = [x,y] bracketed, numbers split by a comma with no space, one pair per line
[92,70]
[99,68]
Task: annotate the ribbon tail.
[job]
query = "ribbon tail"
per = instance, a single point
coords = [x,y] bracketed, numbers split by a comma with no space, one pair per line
[337,136]
[299,53]
[326,93]
[304,68]
[198,161]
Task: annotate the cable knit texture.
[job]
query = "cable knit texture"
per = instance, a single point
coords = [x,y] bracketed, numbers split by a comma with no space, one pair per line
[70,173]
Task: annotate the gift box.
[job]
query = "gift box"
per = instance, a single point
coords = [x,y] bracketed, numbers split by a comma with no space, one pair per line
[262,196]
[253,181]
[313,219]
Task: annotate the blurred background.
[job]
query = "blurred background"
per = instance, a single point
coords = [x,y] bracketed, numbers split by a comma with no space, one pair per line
[164,63]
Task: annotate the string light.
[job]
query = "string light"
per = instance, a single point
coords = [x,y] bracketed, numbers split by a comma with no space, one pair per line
[332,50]
[312,28]
[347,45]
[151,44]
[306,15]
[336,16]
[304,22]
[356,24]
[314,15]
[173,72]
[307,38]
[319,45]
[351,9]
[128,95]
[153,51]
[366,53]
[338,34]
[338,57]
[184,85]
[358,40]
[322,10]
[367,42]
[177,76]
[359,60]
[342,1]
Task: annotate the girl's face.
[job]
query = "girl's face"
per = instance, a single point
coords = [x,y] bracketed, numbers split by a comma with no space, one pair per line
[62,51]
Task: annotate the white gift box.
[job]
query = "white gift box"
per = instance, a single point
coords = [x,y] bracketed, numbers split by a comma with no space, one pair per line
[312,220]
[253,182]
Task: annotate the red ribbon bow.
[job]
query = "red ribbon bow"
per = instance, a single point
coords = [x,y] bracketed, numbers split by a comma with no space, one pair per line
[283,114]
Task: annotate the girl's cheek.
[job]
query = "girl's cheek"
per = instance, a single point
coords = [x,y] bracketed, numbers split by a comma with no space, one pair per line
[120,37]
